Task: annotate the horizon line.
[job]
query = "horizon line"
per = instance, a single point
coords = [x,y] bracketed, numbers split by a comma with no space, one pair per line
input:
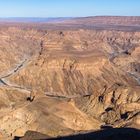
[71,16]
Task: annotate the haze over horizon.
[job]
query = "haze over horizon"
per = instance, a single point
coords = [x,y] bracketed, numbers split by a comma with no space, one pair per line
[65,8]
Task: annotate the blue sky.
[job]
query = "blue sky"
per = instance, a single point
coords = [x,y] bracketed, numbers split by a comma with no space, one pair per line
[68,8]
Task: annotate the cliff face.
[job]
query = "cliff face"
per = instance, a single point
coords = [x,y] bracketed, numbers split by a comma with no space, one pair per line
[66,81]
[78,62]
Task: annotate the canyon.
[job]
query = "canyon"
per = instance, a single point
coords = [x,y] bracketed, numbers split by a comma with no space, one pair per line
[69,77]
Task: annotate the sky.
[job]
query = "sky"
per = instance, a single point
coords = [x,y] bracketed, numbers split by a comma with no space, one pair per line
[68,8]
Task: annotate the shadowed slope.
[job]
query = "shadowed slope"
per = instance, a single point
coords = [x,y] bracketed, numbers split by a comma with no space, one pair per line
[107,134]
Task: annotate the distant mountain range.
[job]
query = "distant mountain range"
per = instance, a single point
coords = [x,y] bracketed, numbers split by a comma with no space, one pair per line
[34,19]
[106,20]
[125,23]
[93,20]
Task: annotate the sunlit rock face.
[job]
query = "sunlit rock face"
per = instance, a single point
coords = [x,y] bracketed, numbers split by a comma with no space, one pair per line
[62,82]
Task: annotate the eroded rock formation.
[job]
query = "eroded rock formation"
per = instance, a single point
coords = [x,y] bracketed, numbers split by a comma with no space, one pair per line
[80,80]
